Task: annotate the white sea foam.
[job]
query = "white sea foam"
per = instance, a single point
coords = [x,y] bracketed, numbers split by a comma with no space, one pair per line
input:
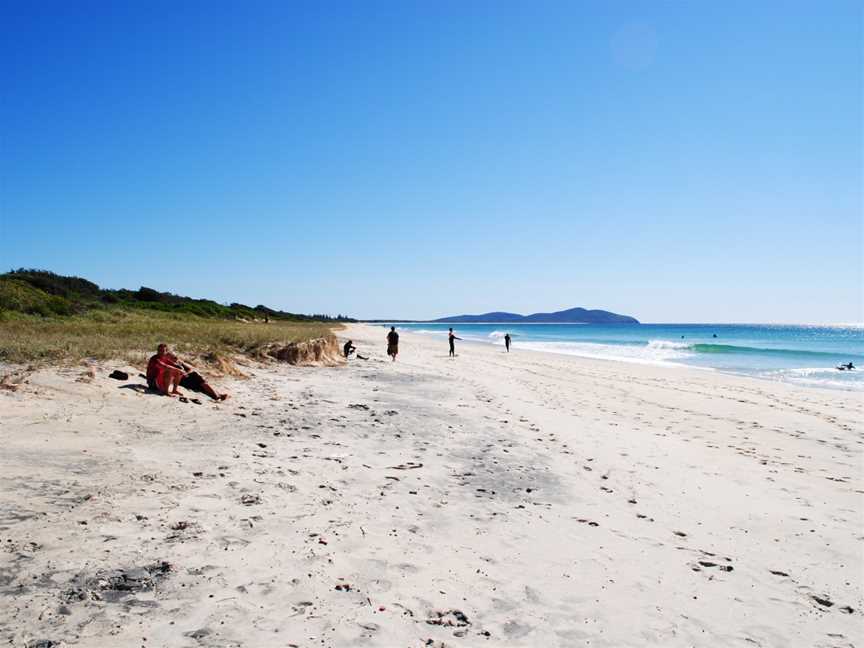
[497,337]
[643,354]
[666,344]
[662,352]
[818,377]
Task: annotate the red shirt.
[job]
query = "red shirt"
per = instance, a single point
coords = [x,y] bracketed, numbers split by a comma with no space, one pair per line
[155,366]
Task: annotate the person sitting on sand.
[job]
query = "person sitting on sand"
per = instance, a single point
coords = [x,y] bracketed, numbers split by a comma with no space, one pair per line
[165,372]
[393,343]
[349,348]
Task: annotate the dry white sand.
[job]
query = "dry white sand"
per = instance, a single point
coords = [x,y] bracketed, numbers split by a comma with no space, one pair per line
[488,500]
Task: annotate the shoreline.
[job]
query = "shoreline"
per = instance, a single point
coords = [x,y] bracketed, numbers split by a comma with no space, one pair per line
[801,324]
[831,385]
[486,500]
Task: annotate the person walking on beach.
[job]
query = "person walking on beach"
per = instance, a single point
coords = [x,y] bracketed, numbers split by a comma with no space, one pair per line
[393,343]
[507,341]
[452,339]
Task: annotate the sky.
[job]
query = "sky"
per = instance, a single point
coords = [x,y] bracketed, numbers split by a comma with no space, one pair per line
[678,162]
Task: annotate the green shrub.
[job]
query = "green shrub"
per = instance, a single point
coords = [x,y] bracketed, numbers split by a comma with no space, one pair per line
[19,296]
[60,306]
[55,284]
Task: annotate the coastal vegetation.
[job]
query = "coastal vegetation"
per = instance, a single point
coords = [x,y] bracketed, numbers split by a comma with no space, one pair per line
[49,317]
[40,292]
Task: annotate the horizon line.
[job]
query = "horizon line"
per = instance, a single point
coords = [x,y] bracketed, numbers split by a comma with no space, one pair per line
[380,320]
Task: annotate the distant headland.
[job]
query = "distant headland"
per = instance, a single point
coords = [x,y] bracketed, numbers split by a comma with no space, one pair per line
[569,316]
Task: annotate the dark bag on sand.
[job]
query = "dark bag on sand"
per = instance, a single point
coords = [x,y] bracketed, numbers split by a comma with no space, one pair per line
[119,375]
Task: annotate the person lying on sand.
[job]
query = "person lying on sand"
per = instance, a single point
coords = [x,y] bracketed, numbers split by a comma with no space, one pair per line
[165,372]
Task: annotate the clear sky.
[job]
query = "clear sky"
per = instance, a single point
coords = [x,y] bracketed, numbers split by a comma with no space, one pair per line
[674,161]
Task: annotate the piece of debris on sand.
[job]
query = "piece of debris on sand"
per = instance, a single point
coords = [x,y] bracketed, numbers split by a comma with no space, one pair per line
[114,585]
[450,618]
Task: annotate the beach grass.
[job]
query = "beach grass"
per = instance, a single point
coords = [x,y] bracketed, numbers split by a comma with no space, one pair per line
[132,334]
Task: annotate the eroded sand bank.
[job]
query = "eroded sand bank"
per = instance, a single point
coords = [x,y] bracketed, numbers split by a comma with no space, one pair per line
[490,500]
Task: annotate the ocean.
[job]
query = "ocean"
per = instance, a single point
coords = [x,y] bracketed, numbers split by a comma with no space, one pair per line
[800,354]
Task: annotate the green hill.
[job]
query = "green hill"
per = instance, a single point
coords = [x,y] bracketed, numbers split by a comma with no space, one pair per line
[40,292]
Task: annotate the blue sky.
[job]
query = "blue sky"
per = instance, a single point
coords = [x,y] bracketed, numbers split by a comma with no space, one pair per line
[674,161]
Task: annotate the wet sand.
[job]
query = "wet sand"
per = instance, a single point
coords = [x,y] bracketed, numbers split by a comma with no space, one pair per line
[494,499]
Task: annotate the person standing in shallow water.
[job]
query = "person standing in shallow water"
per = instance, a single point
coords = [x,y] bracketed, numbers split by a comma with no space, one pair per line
[452,339]
[507,341]
[393,343]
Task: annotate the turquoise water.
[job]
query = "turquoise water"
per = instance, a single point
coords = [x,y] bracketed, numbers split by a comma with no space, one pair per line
[805,355]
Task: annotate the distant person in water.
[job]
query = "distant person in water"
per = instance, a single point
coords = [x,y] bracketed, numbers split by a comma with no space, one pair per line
[349,348]
[452,339]
[507,341]
[165,372]
[846,367]
[393,343]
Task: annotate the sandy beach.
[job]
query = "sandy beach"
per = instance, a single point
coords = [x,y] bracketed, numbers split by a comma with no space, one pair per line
[493,499]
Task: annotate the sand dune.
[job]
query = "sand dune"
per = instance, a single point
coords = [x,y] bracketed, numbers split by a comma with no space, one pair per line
[488,500]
